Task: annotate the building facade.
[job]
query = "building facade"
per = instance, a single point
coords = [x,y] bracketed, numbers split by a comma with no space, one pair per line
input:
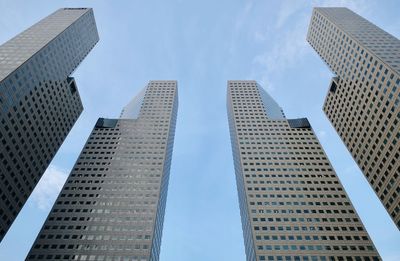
[39,101]
[292,204]
[364,95]
[113,202]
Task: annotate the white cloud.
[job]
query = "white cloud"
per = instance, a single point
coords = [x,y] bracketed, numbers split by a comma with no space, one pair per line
[286,10]
[240,21]
[285,50]
[48,187]
[260,37]
[243,15]
[321,134]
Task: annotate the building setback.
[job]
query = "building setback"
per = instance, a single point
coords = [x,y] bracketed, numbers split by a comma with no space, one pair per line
[364,95]
[113,202]
[39,101]
[292,204]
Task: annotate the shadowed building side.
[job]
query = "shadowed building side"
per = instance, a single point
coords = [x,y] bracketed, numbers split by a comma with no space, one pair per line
[113,203]
[39,101]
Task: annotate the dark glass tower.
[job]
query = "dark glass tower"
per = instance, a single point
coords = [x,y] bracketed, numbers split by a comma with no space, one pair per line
[39,101]
[113,202]
[292,204]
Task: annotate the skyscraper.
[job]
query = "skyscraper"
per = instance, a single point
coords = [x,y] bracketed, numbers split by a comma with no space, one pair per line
[364,95]
[39,101]
[113,202]
[292,204]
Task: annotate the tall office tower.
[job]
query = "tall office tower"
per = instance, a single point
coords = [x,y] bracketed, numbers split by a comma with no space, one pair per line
[112,204]
[363,98]
[39,101]
[292,204]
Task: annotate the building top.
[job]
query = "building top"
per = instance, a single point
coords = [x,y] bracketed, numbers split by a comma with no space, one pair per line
[271,107]
[19,49]
[132,109]
[369,36]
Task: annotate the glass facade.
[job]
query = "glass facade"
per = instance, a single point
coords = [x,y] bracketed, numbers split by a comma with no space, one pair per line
[39,101]
[113,203]
[292,204]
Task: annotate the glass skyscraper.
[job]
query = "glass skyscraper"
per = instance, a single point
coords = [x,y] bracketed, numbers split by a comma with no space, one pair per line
[113,203]
[364,95]
[39,101]
[292,204]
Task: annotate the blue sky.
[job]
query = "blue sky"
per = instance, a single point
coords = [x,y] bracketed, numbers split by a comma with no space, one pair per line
[201,44]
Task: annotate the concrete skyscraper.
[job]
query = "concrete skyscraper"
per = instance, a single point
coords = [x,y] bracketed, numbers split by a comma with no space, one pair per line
[39,101]
[364,95]
[292,204]
[113,202]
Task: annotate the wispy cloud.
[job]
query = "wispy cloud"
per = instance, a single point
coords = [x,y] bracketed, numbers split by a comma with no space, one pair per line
[285,50]
[243,15]
[240,21]
[321,134]
[48,187]
[286,10]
